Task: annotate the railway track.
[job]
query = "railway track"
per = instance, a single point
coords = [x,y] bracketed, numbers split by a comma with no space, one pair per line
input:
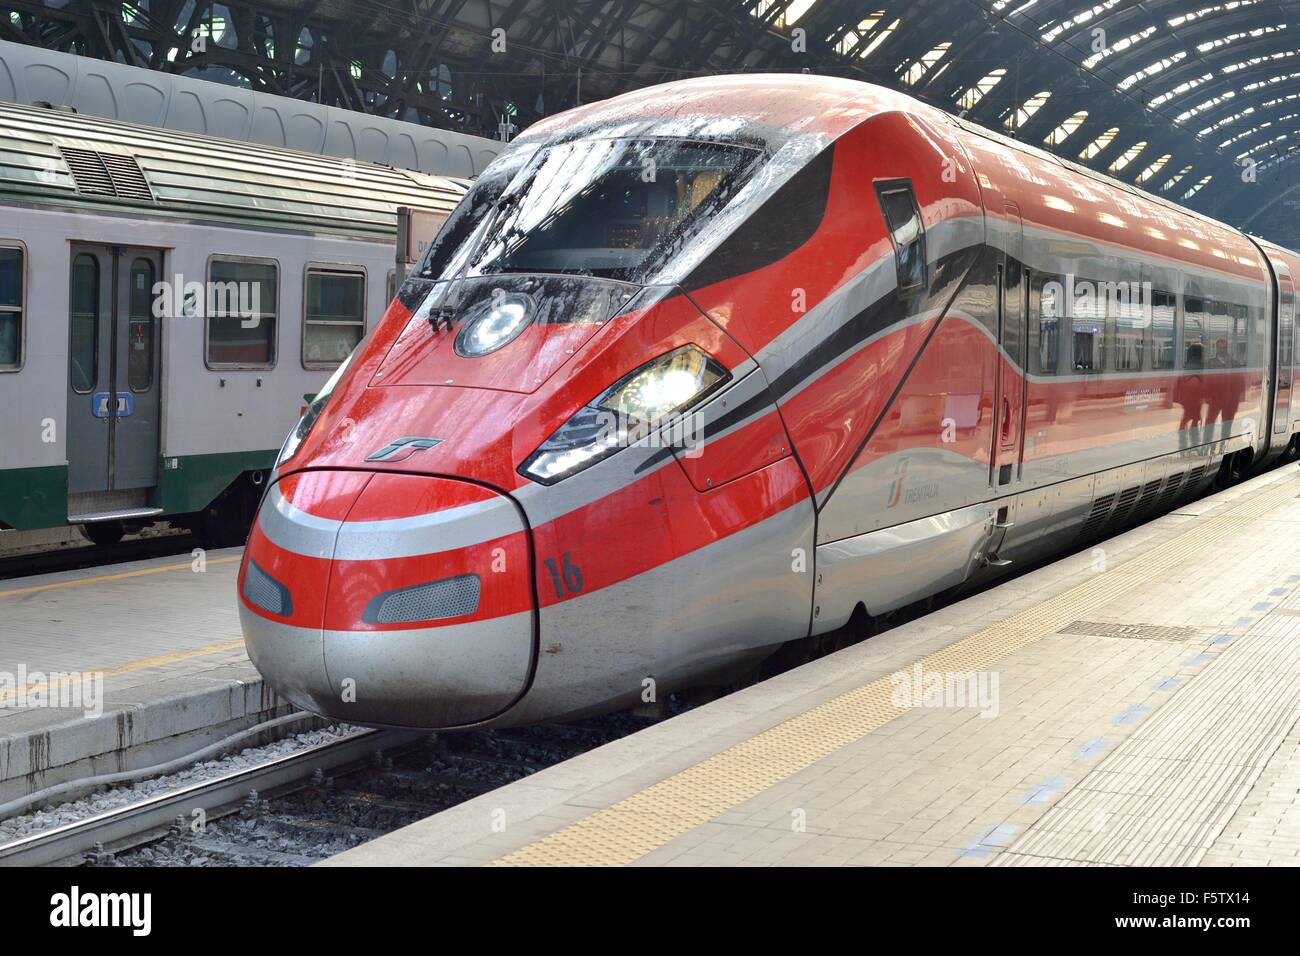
[297,809]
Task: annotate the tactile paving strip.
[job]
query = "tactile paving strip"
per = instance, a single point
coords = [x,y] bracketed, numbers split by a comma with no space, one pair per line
[638,824]
[1164,795]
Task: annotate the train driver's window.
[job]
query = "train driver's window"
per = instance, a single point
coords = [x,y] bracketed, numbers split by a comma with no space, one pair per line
[1162,330]
[1051,297]
[334,318]
[242,308]
[1193,332]
[11,308]
[906,232]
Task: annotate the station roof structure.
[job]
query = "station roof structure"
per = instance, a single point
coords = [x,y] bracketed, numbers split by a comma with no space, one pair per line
[1194,100]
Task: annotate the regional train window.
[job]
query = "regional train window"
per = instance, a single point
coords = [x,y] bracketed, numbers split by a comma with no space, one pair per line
[1163,311]
[1193,332]
[906,232]
[334,316]
[140,327]
[11,308]
[83,351]
[241,311]
[1047,354]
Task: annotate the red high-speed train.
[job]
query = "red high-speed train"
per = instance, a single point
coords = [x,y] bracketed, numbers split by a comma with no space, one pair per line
[715,365]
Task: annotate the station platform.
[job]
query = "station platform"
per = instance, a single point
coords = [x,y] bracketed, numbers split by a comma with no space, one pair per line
[1133,704]
[116,668]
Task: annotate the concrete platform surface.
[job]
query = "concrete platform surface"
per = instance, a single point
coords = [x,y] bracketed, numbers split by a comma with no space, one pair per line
[1135,703]
[115,668]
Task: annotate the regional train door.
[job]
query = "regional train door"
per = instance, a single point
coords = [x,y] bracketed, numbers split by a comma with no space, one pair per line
[1285,350]
[1006,461]
[114,405]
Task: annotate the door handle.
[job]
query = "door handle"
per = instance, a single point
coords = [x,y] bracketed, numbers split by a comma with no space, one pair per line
[1006,418]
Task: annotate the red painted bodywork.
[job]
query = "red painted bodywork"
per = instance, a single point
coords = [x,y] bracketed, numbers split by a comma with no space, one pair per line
[888,397]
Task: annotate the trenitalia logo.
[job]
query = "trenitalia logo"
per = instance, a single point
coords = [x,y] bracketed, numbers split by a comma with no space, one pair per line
[400,449]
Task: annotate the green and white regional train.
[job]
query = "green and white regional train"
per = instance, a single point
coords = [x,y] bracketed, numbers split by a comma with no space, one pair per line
[119,408]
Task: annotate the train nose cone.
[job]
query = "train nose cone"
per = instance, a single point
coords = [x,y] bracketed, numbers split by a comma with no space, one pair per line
[426,615]
[282,581]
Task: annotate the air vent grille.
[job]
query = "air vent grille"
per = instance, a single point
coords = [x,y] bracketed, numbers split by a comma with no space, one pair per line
[106,174]
[1097,516]
[1125,503]
[128,177]
[262,590]
[450,597]
[1173,485]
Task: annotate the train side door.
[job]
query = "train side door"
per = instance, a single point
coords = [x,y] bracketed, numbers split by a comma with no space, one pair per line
[114,392]
[1006,460]
[1285,351]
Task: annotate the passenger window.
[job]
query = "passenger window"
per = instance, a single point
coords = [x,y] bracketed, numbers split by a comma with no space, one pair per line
[335,316]
[1088,322]
[1128,314]
[83,351]
[906,232]
[1193,332]
[11,308]
[1239,316]
[140,330]
[243,301]
[1047,353]
[1219,345]
[1162,330]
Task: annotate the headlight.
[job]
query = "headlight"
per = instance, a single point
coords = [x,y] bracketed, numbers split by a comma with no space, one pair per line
[300,431]
[625,413]
[494,324]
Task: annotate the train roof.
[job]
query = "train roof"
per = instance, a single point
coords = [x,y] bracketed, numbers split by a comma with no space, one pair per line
[54,157]
[780,106]
[771,105]
[133,94]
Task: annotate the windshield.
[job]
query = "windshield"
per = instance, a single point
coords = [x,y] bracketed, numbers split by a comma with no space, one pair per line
[613,208]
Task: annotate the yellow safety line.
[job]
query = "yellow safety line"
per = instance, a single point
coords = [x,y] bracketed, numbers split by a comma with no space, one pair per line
[114,577]
[126,668]
[629,829]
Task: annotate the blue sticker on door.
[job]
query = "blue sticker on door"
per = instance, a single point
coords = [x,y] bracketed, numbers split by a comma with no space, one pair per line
[99,404]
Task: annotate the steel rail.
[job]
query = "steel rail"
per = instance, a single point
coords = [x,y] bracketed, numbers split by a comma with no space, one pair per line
[137,822]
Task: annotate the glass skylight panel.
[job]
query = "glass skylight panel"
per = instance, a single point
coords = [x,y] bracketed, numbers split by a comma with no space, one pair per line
[917,69]
[1052,34]
[1059,135]
[1174,182]
[1157,67]
[1018,117]
[1119,46]
[1154,168]
[971,97]
[1128,156]
[1197,188]
[1097,145]
[1179,90]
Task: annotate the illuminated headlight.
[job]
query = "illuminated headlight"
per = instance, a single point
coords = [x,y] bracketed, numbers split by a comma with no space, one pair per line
[494,324]
[626,412]
[304,426]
